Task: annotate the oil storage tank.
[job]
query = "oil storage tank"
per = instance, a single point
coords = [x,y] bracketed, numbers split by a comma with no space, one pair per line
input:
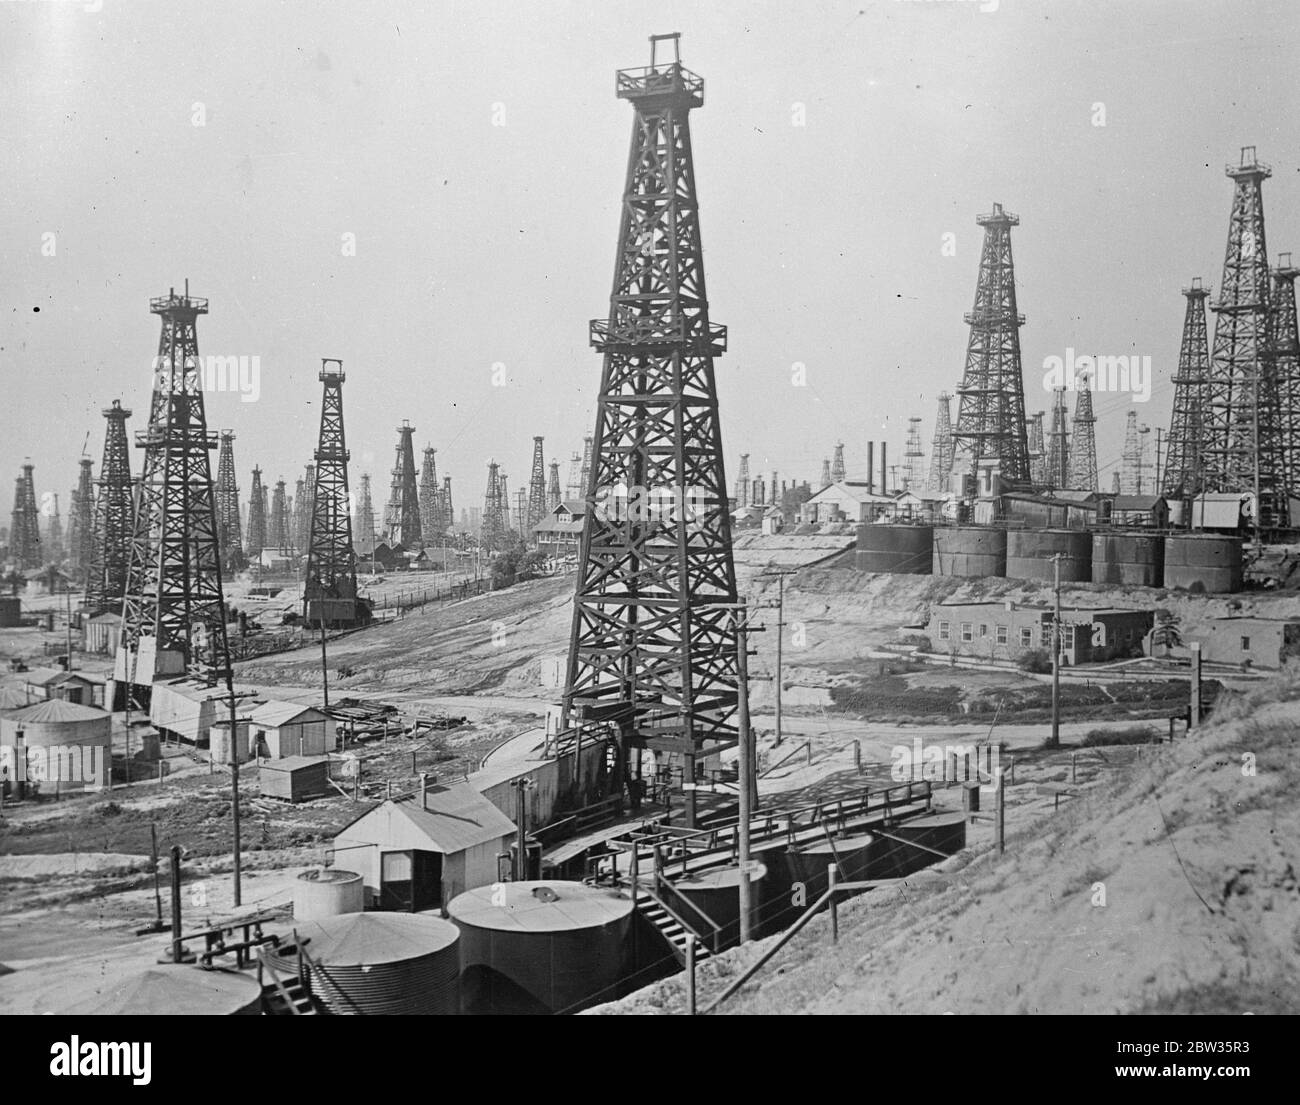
[970,551]
[327,892]
[1136,558]
[541,946]
[918,841]
[715,892]
[854,856]
[1030,554]
[1204,561]
[902,549]
[379,963]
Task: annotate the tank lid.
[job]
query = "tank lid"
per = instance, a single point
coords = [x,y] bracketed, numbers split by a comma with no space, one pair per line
[720,877]
[539,906]
[371,939]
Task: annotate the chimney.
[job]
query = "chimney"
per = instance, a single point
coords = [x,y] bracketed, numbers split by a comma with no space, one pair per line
[424,790]
[871,466]
[884,469]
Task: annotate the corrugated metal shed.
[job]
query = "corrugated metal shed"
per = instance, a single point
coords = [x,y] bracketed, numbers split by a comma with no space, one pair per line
[454,818]
[274,714]
[295,778]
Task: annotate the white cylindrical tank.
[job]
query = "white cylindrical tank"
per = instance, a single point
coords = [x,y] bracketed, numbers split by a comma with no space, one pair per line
[327,892]
[65,745]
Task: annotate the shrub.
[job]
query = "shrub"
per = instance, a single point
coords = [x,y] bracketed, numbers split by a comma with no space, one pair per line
[1134,734]
[1037,660]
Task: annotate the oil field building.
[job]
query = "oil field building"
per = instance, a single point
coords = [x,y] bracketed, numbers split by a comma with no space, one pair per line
[560,533]
[848,500]
[70,686]
[1259,642]
[1009,630]
[419,852]
[282,729]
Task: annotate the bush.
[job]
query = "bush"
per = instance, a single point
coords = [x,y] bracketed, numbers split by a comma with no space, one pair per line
[1037,660]
[1134,734]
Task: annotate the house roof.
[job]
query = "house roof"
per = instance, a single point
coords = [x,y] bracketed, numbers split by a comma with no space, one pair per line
[106,616]
[57,709]
[854,489]
[573,506]
[1138,502]
[454,817]
[295,763]
[280,713]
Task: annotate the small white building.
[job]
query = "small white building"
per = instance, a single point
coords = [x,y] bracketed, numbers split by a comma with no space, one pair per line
[419,852]
[846,501]
[280,729]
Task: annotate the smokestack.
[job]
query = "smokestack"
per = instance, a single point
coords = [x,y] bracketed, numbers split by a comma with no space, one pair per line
[884,468]
[871,469]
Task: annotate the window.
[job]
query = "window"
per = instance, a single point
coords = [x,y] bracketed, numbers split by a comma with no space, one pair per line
[984,630]
[966,634]
[944,633]
[1026,636]
[1245,644]
[1002,634]
[1045,635]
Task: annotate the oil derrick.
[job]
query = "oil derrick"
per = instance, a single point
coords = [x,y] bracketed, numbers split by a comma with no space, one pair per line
[25,526]
[1244,450]
[1058,445]
[837,465]
[448,511]
[914,468]
[584,476]
[402,517]
[279,529]
[230,539]
[1285,344]
[1133,462]
[174,604]
[521,512]
[257,536]
[492,529]
[1184,463]
[1036,446]
[504,493]
[363,526]
[430,508]
[742,483]
[990,433]
[330,586]
[553,487]
[653,643]
[536,493]
[825,480]
[53,544]
[941,448]
[81,523]
[114,510]
[302,511]
[1083,445]
[573,489]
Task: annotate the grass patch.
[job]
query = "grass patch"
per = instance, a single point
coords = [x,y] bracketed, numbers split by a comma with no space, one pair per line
[1133,734]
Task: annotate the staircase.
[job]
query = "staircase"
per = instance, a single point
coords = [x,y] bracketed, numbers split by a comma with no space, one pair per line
[670,928]
[300,1002]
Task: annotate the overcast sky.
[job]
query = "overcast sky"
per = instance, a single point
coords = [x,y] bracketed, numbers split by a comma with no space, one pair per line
[476,153]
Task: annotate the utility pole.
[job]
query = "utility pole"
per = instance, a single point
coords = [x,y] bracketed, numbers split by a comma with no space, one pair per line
[744,758]
[780,632]
[1055,739]
[234,785]
[324,661]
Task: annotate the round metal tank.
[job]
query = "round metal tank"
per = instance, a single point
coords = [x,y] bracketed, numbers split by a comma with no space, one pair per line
[1030,553]
[904,550]
[716,893]
[66,746]
[1137,558]
[541,945]
[173,990]
[328,892]
[970,551]
[1209,562]
[854,854]
[220,748]
[374,964]
[942,832]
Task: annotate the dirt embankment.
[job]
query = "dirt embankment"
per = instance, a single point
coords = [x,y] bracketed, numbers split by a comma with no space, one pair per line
[1173,886]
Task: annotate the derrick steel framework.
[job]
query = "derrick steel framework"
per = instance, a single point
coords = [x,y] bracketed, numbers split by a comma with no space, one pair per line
[1083,445]
[536,492]
[1036,445]
[573,489]
[553,487]
[838,471]
[430,505]
[229,534]
[914,466]
[330,589]
[114,514]
[279,527]
[492,528]
[257,536]
[1133,461]
[941,447]
[173,593]
[402,516]
[53,545]
[363,526]
[584,474]
[1244,444]
[1184,474]
[1058,445]
[25,526]
[81,522]
[302,510]
[742,483]
[448,510]
[1286,355]
[991,405]
[653,642]
[825,481]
